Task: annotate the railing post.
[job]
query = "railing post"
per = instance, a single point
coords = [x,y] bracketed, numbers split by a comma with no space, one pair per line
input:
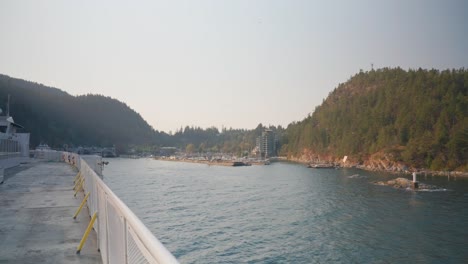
[77,181]
[80,185]
[107,227]
[125,239]
[76,177]
[81,206]
[86,234]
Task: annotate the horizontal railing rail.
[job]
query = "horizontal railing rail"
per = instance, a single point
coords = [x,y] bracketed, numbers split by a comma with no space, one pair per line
[122,237]
[7,155]
[9,148]
[11,153]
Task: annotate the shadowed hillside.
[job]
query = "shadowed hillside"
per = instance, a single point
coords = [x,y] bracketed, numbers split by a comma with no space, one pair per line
[57,118]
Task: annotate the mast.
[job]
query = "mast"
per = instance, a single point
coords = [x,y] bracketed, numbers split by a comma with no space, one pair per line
[8,106]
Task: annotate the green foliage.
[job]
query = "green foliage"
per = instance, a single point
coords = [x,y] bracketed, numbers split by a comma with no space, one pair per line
[235,141]
[190,148]
[422,112]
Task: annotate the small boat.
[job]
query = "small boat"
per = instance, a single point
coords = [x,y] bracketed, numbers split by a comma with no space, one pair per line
[238,163]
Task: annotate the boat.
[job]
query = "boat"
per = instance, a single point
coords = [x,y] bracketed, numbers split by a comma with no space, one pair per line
[42,147]
[240,163]
[110,153]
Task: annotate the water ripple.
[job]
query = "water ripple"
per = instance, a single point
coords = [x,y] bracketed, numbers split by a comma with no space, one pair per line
[285,213]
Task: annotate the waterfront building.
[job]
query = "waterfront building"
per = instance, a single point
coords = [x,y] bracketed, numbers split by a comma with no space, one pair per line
[266,144]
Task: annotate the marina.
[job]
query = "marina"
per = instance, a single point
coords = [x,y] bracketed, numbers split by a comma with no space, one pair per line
[217,162]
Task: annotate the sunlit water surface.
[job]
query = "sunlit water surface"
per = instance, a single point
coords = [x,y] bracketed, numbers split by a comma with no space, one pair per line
[286,213]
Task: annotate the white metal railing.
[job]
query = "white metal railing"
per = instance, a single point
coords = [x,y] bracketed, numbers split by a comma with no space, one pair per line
[9,149]
[48,154]
[122,237]
[9,145]
[11,152]
[9,155]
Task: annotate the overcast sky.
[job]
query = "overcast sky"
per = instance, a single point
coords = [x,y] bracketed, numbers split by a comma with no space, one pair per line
[231,63]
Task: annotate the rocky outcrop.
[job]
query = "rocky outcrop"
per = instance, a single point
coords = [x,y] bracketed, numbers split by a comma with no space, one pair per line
[307,157]
[403,183]
[376,162]
[379,161]
[382,161]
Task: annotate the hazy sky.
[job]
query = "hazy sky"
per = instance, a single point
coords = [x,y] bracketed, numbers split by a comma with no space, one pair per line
[231,63]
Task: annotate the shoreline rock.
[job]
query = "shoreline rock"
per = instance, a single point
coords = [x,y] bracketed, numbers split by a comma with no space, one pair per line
[378,162]
[403,183]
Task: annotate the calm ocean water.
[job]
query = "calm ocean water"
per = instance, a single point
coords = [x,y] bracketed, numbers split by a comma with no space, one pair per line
[286,213]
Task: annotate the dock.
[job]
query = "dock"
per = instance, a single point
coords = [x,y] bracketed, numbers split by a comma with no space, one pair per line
[37,204]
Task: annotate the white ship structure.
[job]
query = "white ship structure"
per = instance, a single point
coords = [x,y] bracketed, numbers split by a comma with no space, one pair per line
[14,146]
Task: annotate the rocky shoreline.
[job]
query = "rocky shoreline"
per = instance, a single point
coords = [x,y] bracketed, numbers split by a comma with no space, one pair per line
[382,164]
[403,183]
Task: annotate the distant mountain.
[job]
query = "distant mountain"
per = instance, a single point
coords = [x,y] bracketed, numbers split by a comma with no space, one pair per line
[388,117]
[55,117]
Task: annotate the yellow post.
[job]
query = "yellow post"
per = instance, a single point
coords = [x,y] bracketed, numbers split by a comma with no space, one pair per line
[81,206]
[76,177]
[80,185]
[77,182]
[86,234]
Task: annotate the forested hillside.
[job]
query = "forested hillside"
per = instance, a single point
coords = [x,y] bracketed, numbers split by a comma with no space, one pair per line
[57,118]
[235,141]
[418,117]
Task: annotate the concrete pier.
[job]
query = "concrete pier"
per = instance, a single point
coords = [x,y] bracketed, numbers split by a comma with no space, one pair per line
[36,216]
